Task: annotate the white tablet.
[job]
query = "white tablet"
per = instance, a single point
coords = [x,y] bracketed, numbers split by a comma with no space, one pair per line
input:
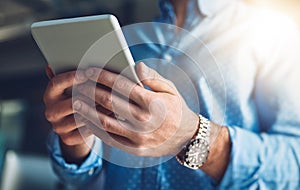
[68,44]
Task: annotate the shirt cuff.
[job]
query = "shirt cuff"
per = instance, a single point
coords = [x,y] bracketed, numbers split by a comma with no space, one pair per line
[246,162]
[72,173]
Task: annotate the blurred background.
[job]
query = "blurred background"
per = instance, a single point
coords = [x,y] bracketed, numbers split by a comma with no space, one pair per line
[23,128]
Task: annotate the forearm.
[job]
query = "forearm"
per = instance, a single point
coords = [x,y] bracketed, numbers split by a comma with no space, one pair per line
[219,155]
[251,157]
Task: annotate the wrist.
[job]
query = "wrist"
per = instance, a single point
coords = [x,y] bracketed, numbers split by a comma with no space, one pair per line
[219,156]
[76,154]
[195,153]
[208,150]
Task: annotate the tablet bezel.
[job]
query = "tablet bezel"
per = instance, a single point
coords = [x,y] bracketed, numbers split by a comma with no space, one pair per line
[64,42]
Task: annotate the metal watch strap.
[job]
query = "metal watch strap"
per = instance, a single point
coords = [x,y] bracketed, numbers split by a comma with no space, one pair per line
[204,129]
[202,133]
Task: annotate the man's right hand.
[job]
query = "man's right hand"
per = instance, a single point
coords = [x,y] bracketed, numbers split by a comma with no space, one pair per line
[75,144]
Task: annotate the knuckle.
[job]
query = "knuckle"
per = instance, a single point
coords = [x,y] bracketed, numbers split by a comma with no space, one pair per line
[78,120]
[57,129]
[143,117]
[147,99]
[104,123]
[140,151]
[122,83]
[68,140]
[138,93]
[135,90]
[64,126]
[84,109]
[103,76]
[50,115]
[70,75]
[88,90]
[45,98]
[71,139]
[58,81]
[141,139]
[53,83]
[106,100]
[47,115]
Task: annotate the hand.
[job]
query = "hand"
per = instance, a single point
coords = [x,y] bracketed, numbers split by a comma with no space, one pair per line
[158,122]
[59,113]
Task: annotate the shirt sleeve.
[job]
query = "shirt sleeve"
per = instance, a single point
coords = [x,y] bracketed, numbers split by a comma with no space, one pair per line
[72,174]
[270,158]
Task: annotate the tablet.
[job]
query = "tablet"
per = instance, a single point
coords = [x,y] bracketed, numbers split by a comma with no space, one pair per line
[69,44]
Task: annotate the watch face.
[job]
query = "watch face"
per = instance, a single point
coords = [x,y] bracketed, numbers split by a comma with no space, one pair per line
[196,153]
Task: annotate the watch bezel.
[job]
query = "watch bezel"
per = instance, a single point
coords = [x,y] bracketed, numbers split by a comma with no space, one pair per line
[189,155]
[203,156]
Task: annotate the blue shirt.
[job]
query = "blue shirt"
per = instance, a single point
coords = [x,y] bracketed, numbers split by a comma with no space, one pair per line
[235,64]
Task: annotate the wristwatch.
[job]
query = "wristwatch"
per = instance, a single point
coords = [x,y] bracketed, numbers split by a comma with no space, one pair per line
[195,153]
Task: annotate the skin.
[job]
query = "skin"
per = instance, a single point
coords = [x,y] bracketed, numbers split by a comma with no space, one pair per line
[59,113]
[180,11]
[156,120]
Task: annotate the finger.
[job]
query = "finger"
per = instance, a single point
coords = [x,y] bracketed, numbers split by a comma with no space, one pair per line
[118,83]
[112,102]
[123,143]
[120,142]
[61,82]
[90,101]
[68,124]
[78,136]
[110,138]
[49,72]
[103,121]
[155,81]
[59,110]
[103,110]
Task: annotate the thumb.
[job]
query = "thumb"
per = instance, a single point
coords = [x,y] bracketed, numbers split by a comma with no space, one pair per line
[155,81]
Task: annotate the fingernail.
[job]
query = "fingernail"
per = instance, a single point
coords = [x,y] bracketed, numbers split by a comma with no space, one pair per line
[90,72]
[77,105]
[80,76]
